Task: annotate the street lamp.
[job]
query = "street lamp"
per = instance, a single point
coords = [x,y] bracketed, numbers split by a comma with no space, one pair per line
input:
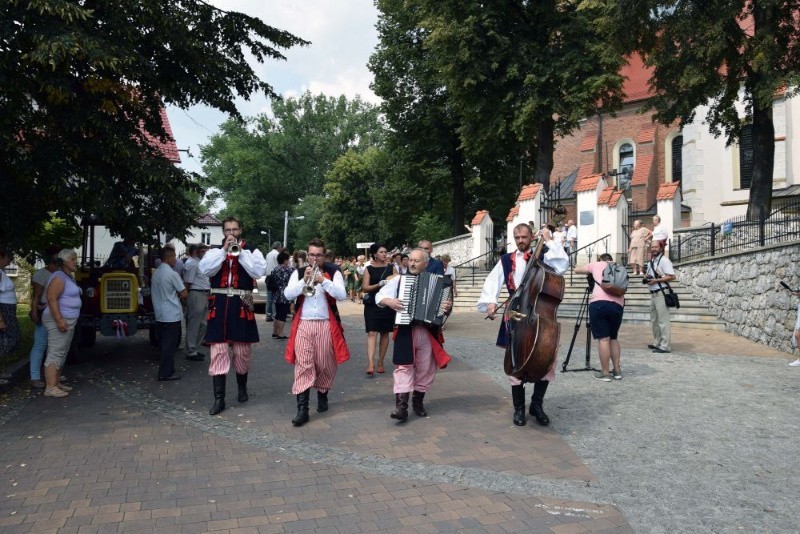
[286,226]
[268,233]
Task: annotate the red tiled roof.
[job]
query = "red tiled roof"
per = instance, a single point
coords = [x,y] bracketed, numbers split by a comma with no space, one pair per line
[529,192]
[667,191]
[647,133]
[641,171]
[479,215]
[587,183]
[208,220]
[513,212]
[637,79]
[609,196]
[169,148]
[589,142]
[585,170]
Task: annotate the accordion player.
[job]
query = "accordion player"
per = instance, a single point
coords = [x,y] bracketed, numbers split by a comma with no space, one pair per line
[425,299]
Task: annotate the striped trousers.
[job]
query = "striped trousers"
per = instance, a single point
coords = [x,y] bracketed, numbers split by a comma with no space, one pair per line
[315,364]
[221,359]
[420,375]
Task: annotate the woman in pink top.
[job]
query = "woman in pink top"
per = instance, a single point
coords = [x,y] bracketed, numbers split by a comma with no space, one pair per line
[605,318]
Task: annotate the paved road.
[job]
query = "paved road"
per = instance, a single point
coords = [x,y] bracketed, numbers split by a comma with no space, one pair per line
[699,440]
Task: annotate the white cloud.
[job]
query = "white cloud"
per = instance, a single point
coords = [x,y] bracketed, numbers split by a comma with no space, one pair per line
[342,35]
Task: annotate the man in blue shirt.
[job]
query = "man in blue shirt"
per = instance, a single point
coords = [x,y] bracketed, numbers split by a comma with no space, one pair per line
[435,266]
[168,290]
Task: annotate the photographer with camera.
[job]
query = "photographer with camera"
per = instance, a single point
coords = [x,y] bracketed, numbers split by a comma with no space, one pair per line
[605,317]
[657,277]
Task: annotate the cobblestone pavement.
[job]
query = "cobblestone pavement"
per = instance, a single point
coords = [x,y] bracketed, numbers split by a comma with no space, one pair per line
[699,440]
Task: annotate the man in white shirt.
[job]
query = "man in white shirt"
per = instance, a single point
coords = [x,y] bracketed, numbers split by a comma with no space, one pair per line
[572,237]
[418,350]
[660,232]
[198,285]
[658,275]
[316,343]
[510,270]
[272,262]
[167,292]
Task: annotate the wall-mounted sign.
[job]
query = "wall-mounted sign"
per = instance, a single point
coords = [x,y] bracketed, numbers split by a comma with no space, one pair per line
[586,218]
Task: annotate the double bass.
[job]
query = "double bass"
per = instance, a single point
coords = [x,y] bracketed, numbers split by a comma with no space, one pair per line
[531,321]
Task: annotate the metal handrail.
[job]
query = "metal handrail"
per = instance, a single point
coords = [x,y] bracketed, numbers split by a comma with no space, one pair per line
[473,268]
[572,261]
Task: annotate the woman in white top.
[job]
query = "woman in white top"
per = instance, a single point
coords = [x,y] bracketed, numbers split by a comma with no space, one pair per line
[9,326]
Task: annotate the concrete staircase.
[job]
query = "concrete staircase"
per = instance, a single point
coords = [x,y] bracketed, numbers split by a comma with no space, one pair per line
[637,301]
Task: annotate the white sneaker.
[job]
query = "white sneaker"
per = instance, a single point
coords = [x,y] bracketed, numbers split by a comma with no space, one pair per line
[795,363]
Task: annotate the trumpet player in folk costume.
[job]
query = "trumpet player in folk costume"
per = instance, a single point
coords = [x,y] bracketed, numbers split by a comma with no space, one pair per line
[232,271]
[316,343]
[418,350]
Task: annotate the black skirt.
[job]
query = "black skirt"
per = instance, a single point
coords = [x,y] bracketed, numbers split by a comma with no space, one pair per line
[377,319]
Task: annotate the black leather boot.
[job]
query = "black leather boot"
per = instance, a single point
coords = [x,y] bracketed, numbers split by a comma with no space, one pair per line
[400,406]
[416,403]
[302,409]
[241,381]
[539,389]
[322,401]
[518,398]
[219,394]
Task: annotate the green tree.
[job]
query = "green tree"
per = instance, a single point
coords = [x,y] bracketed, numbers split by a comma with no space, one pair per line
[82,85]
[267,165]
[729,55]
[518,73]
[348,216]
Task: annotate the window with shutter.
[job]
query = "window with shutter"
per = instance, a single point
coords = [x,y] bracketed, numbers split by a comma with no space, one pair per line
[677,151]
[746,157]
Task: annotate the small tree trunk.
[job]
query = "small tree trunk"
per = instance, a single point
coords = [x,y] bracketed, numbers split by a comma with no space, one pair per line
[457,174]
[763,162]
[544,152]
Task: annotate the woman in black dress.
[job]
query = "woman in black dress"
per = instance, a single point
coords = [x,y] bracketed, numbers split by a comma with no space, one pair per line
[377,320]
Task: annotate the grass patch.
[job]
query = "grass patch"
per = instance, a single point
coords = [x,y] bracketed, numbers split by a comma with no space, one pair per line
[25,341]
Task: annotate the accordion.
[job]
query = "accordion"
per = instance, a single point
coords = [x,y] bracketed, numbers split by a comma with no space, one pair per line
[423,297]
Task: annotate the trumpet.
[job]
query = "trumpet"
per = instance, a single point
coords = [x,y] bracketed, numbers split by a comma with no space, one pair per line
[310,288]
[234,249]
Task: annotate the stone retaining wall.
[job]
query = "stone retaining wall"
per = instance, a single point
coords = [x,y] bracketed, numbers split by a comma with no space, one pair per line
[459,248]
[744,290]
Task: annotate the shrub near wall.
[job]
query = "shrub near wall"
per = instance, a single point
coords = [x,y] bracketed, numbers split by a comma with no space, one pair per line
[744,290]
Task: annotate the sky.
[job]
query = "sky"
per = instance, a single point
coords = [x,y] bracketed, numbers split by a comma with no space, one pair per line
[342,35]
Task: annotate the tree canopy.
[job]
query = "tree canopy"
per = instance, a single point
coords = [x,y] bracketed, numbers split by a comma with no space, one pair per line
[270,164]
[733,56]
[519,72]
[82,86]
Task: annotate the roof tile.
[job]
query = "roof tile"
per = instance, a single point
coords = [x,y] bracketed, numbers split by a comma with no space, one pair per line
[647,133]
[667,191]
[589,142]
[479,215]
[513,212]
[641,171]
[208,220]
[529,192]
[588,183]
[609,196]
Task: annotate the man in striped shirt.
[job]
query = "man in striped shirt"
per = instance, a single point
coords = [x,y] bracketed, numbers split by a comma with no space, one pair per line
[316,344]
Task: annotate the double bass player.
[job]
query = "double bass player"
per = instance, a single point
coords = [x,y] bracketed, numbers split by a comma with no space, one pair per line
[510,271]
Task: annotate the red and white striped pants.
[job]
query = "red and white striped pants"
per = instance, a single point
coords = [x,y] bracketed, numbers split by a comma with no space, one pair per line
[315,364]
[420,375]
[221,359]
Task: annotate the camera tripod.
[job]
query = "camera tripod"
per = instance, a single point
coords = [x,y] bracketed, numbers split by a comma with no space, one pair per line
[583,316]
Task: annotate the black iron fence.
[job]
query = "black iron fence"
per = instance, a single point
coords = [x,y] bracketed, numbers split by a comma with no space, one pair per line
[736,234]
